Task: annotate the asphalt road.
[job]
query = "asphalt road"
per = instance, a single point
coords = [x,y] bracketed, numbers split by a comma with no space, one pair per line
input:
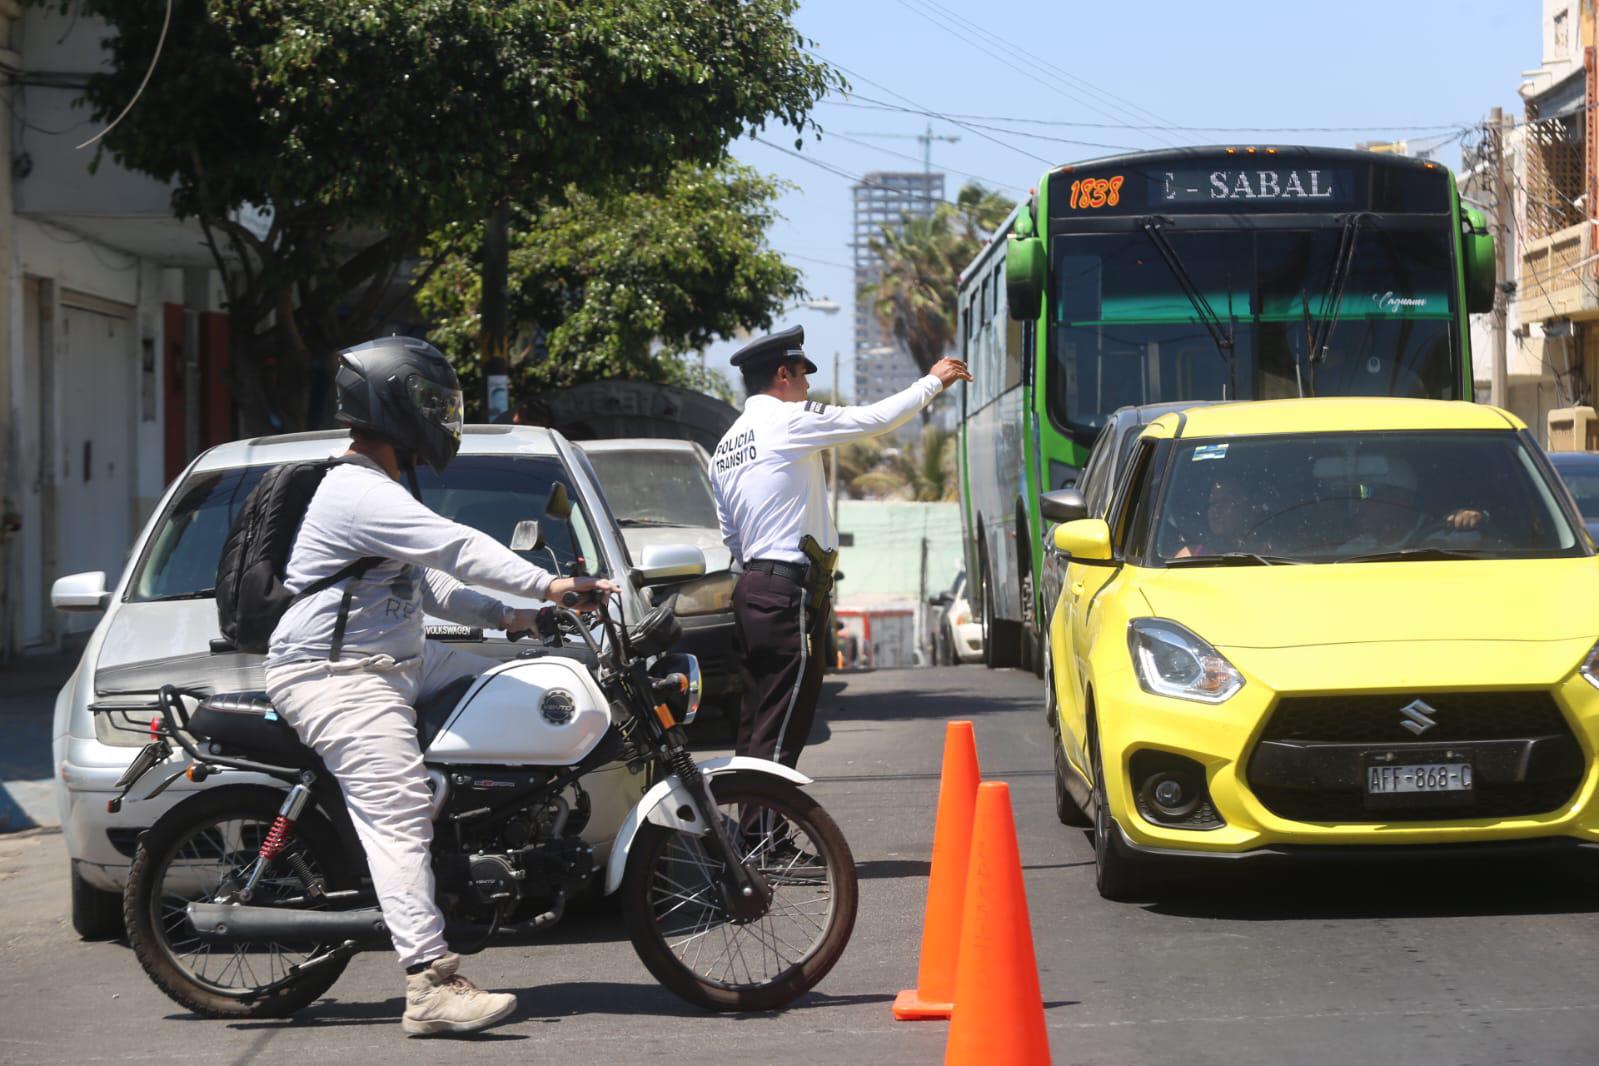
[1397,963]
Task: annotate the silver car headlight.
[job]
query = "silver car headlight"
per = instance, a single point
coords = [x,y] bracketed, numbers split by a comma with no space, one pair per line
[1170,660]
[705,595]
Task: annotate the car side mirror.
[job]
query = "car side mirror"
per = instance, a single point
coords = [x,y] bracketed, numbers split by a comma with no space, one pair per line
[1063,505]
[670,562]
[526,537]
[1087,540]
[80,592]
[943,599]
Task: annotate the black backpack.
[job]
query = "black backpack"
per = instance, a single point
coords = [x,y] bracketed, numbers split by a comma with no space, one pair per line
[250,593]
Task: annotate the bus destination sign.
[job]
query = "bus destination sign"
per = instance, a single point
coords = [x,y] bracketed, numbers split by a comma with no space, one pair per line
[1311,185]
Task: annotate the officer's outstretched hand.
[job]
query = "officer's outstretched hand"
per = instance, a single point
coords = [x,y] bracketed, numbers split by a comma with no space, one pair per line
[949,371]
[592,591]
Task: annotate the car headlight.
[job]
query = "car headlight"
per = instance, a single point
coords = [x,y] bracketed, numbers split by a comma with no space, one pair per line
[1590,667]
[1172,661]
[706,595]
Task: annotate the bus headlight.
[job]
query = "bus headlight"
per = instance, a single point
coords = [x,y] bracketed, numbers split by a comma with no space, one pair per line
[706,595]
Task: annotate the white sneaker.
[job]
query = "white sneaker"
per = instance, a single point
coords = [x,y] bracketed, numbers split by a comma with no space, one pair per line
[440,1000]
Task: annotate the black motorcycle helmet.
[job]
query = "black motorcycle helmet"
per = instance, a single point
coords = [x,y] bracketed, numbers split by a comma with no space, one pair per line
[402,390]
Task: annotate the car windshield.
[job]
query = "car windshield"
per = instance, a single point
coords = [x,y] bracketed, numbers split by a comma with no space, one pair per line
[648,487]
[1583,481]
[489,493]
[1342,497]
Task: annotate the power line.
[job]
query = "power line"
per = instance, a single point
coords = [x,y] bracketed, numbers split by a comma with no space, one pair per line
[821,262]
[934,114]
[836,171]
[877,105]
[974,35]
[906,155]
[154,59]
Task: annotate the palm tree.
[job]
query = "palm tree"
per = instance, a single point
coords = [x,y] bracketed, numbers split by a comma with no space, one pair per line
[923,470]
[914,296]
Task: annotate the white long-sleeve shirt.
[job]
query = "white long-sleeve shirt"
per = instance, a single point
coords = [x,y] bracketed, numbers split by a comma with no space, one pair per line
[766,473]
[360,511]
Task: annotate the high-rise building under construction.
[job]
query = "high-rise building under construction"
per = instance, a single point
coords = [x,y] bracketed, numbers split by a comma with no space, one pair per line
[883,200]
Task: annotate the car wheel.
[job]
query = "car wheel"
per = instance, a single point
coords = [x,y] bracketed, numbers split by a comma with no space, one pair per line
[1001,646]
[96,915]
[1115,874]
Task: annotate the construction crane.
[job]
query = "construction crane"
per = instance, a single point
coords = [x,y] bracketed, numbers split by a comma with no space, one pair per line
[926,140]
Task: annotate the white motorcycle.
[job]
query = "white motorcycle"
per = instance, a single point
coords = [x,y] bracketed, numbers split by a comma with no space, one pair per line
[738,889]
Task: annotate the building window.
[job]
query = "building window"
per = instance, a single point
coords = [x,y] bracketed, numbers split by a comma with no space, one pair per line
[1562,31]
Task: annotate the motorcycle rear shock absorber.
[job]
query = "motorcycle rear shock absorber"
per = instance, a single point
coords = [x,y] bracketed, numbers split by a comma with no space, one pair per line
[278,837]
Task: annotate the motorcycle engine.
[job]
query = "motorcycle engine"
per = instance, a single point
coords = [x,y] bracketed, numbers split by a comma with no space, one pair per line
[495,883]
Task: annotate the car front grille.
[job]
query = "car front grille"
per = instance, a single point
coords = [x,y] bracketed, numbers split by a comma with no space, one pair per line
[1365,719]
[1310,762]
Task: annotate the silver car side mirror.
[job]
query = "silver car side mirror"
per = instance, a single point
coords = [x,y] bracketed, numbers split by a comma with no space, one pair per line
[80,592]
[670,562]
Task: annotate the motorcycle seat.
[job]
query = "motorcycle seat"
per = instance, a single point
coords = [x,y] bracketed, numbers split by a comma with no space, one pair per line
[244,725]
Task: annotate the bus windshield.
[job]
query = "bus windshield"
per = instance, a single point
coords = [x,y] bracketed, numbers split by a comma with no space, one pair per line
[1124,329]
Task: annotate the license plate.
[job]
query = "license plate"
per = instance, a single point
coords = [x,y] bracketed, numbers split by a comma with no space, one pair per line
[1427,777]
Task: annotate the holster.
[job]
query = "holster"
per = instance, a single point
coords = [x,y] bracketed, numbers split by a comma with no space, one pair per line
[819,575]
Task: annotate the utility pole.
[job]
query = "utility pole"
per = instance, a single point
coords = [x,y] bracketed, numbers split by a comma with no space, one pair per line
[838,398]
[495,311]
[1498,388]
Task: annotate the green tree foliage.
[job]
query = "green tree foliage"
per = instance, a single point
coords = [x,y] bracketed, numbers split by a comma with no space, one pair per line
[361,128]
[922,470]
[620,283]
[914,297]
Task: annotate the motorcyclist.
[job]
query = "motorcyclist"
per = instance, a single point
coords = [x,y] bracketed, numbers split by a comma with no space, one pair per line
[347,665]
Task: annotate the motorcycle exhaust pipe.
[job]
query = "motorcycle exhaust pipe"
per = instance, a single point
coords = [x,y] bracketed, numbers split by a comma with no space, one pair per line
[234,923]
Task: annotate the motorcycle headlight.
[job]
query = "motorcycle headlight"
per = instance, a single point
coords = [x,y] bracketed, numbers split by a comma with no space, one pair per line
[706,595]
[1590,667]
[1172,661]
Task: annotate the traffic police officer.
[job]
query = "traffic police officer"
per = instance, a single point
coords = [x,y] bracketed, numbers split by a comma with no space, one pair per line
[771,501]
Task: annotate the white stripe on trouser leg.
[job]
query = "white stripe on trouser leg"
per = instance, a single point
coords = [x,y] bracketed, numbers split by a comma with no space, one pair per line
[793,697]
[359,719]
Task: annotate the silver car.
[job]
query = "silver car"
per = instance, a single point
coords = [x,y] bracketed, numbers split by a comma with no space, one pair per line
[160,619]
[661,494]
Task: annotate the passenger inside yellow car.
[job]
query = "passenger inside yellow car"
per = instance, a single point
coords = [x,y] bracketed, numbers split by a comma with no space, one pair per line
[1228,515]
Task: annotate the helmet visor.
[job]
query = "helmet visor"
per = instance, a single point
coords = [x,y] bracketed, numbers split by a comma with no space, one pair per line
[436,403]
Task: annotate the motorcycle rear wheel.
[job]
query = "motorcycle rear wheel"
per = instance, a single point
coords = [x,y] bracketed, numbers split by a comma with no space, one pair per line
[189,854]
[681,931]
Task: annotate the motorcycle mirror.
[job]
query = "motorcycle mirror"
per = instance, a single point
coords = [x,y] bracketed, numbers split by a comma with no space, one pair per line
[526,537]
[559,505]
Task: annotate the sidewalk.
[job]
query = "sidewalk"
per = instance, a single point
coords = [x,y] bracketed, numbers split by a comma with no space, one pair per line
[28,687]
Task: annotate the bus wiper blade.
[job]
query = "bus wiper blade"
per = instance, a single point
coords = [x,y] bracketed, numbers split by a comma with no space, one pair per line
[1235,559]
[1419,553]
[1207,314]
[1332,300]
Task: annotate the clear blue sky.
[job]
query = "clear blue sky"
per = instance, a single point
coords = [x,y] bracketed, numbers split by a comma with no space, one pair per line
[1380,65]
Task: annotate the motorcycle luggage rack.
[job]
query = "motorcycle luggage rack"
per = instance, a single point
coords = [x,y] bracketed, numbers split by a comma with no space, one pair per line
[171,723]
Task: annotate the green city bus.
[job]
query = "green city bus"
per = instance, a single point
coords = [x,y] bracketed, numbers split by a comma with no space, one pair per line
[1193,274]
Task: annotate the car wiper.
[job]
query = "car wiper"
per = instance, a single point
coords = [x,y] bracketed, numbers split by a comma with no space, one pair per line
[646,522]
[1207,314]
[1420,553]
[1235,559]
[197,594]
[1332,300]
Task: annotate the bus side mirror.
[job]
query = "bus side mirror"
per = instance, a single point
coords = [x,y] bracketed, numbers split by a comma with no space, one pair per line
[1024,276]
[1477,255]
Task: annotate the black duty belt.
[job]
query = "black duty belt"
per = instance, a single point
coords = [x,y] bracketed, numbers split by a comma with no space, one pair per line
[795,572]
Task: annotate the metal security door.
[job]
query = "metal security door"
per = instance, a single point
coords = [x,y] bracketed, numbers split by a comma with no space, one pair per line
[96,404]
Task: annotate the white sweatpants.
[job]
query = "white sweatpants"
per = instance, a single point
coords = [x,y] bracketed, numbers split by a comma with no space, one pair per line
[357,714]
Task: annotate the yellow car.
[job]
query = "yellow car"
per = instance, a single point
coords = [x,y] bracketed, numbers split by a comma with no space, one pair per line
[1358,624]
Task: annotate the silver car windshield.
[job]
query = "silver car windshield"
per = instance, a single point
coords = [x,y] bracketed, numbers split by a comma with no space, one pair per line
[655,488]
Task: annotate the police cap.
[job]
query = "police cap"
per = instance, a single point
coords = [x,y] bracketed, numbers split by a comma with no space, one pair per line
[788,344]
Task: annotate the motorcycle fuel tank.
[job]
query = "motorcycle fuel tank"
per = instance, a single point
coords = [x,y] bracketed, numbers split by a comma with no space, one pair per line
[529,712]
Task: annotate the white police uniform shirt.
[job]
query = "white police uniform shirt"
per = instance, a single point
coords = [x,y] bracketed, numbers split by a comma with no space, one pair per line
[767,476]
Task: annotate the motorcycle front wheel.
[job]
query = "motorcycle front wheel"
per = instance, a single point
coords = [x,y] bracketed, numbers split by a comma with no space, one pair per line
[671,897]
[202,850]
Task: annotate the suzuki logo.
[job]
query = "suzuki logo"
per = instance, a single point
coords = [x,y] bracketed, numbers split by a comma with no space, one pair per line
[1417,715]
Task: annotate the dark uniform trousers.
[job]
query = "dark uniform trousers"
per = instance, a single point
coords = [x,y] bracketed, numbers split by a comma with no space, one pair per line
[781,670]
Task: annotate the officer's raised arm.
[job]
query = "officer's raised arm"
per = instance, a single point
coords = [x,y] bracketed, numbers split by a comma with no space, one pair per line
[819,425]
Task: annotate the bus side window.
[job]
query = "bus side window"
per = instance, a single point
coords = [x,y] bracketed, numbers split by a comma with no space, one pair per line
[1007,333]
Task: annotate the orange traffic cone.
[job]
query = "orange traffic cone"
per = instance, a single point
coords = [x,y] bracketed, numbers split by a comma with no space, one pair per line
[934,994]
[999,1012]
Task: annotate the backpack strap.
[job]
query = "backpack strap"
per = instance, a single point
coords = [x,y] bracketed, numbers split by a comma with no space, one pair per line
[349,571]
